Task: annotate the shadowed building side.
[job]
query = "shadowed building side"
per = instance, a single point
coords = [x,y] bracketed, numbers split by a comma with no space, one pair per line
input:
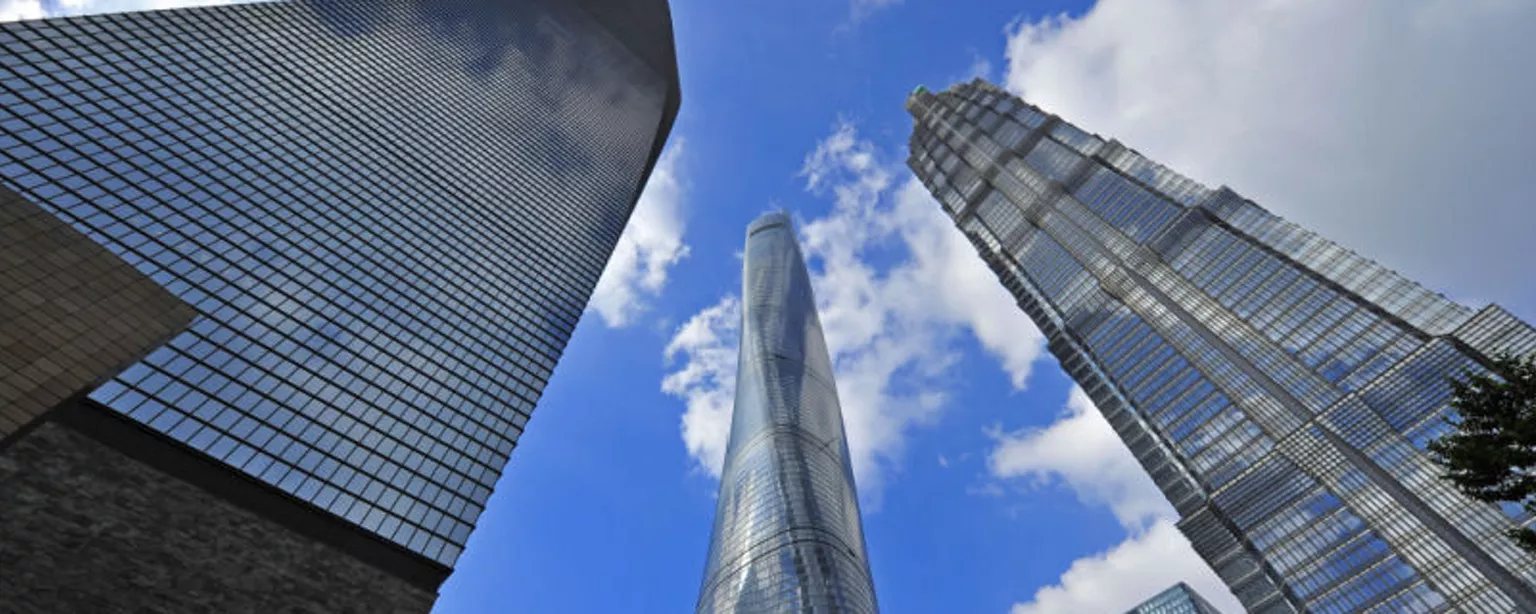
[98,514]
[389,216]
[787,533]
[72,314]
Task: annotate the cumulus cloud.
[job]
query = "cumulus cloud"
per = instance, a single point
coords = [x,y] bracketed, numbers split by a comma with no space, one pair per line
[1083,453]
[16,10]
[942,281]
[651,244]
[1395,127]
[1400,128]
[1124,576]
[706,345]
[891,323]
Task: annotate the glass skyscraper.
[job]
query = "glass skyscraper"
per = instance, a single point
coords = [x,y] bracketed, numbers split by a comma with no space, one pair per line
[1178,599]
[1277,387]
[389,215]
[787,535]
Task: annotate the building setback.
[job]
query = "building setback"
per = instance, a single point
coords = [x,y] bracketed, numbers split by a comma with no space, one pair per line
[1277,387]
[72,314]
[1177,599]
[787,534]
[389,216]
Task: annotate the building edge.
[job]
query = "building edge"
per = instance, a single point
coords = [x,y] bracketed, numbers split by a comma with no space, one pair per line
[1477,333]
[659,51]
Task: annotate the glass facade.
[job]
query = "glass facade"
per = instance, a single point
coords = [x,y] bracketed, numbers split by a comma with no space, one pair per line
[787,535]
[1178,599]
[388,213]
[1277,387]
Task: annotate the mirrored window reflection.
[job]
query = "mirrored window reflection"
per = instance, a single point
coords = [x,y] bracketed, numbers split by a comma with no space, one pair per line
[389,217]
[1268,379]
[787,533]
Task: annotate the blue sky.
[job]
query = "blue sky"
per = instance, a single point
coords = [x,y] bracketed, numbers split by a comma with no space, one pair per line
[604,508]
[1398,127]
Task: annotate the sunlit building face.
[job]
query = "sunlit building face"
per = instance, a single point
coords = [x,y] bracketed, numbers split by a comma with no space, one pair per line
[787,534]
[1277,387]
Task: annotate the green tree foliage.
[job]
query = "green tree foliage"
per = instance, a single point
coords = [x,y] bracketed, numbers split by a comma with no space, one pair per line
[1490,455]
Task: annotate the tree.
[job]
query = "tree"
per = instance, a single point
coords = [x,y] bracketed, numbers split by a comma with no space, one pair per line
[1490,453]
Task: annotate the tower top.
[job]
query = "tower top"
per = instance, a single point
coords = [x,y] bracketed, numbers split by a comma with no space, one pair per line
[778,217]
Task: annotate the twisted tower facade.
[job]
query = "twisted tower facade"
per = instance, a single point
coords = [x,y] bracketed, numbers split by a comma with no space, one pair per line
[787,534]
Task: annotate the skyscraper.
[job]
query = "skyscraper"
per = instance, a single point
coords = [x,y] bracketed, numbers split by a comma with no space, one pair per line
[787,533]
[1178,599]
[389,215]
[1277,387]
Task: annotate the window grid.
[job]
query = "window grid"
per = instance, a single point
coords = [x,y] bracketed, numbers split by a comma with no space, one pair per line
[385,279]
[1284,333]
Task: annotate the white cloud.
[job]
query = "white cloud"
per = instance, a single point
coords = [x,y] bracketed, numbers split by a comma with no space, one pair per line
[1397,127]
[891,327]
[1400,128]
[1129,573]
[16,10]
[651,244]
[707,380]
[1083,452]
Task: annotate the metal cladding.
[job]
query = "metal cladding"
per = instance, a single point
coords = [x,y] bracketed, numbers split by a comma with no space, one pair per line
[787,534]
[1278,388]
[1177,599]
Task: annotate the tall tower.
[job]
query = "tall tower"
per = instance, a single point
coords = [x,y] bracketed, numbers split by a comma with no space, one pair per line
[787,533]
[1278,388]
[389,216]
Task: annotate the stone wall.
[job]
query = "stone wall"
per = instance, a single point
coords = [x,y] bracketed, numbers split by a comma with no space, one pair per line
[85,528]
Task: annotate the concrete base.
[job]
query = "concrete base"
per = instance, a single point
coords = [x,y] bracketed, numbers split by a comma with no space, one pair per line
[87,528]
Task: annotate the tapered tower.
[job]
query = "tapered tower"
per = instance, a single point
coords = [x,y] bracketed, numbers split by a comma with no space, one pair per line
[787,534]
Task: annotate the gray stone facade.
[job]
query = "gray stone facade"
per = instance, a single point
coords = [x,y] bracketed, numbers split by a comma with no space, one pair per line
[72,314]
[87,528]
